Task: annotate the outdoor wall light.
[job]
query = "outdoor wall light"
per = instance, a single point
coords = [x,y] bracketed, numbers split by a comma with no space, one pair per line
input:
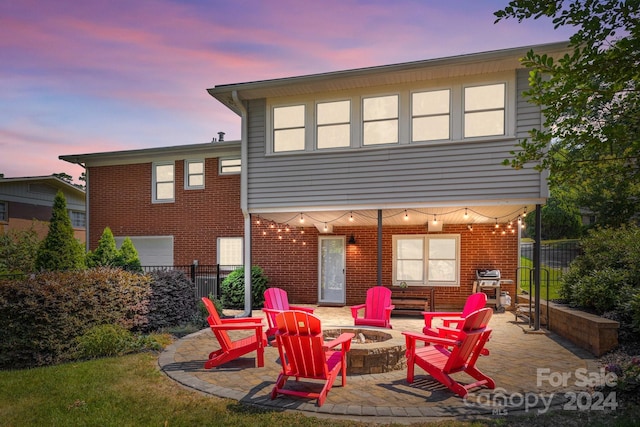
[352,240]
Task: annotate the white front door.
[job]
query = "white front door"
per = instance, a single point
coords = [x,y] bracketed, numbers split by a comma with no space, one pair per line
[331,271]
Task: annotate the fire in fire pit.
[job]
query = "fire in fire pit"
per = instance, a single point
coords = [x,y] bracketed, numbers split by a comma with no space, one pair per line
[372,351]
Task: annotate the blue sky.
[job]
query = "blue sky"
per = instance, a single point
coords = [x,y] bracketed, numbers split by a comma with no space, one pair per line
[90,76]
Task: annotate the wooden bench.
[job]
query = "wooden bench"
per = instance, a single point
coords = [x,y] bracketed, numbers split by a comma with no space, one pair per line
[412,301]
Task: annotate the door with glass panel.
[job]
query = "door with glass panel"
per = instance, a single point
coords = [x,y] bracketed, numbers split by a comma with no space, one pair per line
[331,270]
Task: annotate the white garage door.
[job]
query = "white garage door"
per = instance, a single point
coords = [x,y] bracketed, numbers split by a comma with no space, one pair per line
[152,250]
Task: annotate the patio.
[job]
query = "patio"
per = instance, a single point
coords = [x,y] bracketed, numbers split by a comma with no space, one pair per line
[532,371]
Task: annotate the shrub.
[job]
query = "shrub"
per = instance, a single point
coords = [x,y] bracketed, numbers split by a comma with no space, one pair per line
[128,257]
[232,288]
[172,300]
[106,253]
[600,289]
[60,250]
[18,250]
[105,340]
[41,316]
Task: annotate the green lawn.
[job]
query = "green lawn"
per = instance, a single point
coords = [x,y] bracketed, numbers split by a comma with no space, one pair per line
[131,391]
[553,275]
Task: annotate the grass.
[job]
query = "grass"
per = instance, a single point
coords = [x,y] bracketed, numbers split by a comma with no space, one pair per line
[554,280]
[131,391]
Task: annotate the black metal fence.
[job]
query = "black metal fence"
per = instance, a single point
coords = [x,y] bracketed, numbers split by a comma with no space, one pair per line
[206,278]
[555,259]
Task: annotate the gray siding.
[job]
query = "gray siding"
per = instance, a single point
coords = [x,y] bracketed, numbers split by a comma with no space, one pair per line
[407,174]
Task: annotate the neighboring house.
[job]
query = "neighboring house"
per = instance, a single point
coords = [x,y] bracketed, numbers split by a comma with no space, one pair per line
[27,202]
[387,175]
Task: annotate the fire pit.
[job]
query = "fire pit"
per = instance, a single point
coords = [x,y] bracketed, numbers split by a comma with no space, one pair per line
[373,351]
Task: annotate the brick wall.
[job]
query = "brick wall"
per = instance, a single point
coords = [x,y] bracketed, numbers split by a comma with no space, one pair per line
[120,197]
[294,266]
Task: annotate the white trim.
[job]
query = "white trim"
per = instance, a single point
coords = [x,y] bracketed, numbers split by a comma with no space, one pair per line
[426,238]
[154,182]
[187,175]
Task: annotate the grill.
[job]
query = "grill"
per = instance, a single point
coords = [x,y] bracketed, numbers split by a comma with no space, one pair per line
[488,281]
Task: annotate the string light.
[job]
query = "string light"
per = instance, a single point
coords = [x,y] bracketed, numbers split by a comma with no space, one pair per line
[406,215]
[497,225]
[325,227]
[466,214]
[351,216]
[258,221]
[435,220]
[524,214]
[301,219]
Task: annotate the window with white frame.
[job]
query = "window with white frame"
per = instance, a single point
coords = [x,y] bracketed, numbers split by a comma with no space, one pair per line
[163,182]
[288,128]
[431,260]
[380,120]
[333,124]
[194,174]
[4,211]
[230,166]
[230,251]
[78,219]
[484,110]
[430,115]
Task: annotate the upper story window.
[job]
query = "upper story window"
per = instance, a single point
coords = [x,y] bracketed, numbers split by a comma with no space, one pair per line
[230,166]
[288,128]
[78,219]
[430,115]
[163,182]
[380,120]
[4,211]
[194,174]
[432,260]
[334,124]
[484,110]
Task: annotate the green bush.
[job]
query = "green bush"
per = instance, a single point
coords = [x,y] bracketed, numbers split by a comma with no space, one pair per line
[42,315]
[172,300]
[105,340]
[605,277]
[232,288]
[60,250]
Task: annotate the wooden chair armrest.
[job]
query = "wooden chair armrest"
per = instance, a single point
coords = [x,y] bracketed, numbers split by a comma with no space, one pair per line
[430,315]
[344,339]
[414,336]
[355,308]
[242,320]
[300,308]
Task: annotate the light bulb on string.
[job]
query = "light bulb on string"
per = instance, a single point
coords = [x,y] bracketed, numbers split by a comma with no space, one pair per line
[406,215]
[301,219]
[351,216]
[466,214]
[435,219]
[497,225]
[524,214]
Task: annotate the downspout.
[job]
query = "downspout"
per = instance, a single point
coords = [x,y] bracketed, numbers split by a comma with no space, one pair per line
[244,150]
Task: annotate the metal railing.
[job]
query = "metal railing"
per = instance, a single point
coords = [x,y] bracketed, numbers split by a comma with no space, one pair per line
[206,278]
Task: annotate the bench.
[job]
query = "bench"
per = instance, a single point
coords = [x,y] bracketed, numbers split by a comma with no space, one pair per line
[412,301]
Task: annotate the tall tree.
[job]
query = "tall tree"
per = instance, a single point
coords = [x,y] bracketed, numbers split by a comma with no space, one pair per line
[591,103]
[60,250]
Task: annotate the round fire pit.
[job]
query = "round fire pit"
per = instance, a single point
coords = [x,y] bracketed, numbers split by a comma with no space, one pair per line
[373,351]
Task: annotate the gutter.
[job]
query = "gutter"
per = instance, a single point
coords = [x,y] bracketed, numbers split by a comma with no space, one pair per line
[244,151]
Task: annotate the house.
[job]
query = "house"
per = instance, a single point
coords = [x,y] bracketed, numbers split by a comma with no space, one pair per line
[388,175]
[27,202]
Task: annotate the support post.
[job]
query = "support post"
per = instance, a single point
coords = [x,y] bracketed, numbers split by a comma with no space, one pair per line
[379,247]
[537,254]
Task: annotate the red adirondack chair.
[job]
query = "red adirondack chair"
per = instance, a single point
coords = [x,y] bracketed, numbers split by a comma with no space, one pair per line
[446,356]
[275,301]
[377,308]
[304,354]
[453,319]
[231,350]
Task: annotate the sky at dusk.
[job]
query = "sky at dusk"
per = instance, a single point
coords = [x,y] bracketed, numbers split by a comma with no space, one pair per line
[87,76]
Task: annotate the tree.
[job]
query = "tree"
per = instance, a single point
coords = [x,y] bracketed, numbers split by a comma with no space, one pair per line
[106,254]
[128,256]
[60,250]
[18,250]
[560,217]
[590,100]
